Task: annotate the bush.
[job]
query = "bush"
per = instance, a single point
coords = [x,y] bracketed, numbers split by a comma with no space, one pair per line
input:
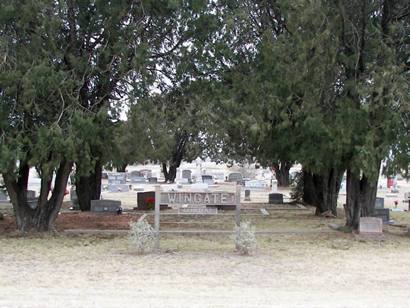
[142,236]
[245,239]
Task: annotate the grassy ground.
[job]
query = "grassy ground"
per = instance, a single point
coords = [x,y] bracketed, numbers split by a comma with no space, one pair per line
[315,267]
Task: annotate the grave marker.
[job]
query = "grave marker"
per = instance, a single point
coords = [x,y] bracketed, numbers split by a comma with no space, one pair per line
[207,179]
[275,198]
[117,178]
[247,195]
[74,198]
[371,226]
[235,177]
[379,203]
[256,185]
[32,202]
[382,213]
[146,200]
[105,205]
[147,173]
[187,174]
[31,194]
[3,195]
[137,177]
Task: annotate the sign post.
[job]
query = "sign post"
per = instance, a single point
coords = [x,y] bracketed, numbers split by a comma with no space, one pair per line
[157,213]
[238,205]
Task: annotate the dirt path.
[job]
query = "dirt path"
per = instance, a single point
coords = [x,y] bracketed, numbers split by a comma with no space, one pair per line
[287,271]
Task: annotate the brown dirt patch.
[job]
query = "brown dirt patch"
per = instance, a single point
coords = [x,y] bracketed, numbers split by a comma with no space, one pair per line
[80,220]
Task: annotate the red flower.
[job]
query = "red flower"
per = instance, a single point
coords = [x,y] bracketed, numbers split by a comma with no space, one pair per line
[150,200]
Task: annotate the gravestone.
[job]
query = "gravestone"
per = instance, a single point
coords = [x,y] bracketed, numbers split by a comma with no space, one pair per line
[114,188]
[407,198]
[74,198]
[274,185]
[187,174]
[146,201]
[147,173]
[152,180]
[117,182]
[117,178]
[31,194]
[32,202]
[247,195]
[371,226]
[235,177]
[137,177]
[275,198]
[136,173]
[207,179]
[384,214]
[100,206]
[3,195]
[255,185]
[379,203]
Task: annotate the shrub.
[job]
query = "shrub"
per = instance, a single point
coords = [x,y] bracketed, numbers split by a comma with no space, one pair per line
[142,236]
[245,239]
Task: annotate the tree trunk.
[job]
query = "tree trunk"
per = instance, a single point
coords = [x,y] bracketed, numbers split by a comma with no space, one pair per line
[282,173]
[170,173]
[322,190]
[89,187]
[42,215]
[360,198]
[122,168]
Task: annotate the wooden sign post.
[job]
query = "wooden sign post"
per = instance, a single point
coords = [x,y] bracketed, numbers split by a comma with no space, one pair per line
[238,205]
[157,212]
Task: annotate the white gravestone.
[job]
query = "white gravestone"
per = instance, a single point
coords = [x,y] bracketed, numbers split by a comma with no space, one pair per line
[371,225]
[256,185]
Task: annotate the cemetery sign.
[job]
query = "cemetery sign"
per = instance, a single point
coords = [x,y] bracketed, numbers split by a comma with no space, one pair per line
[198,198]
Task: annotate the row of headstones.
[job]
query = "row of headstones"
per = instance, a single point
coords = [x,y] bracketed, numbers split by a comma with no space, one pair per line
[234,177]
[117,182]
[135,177]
